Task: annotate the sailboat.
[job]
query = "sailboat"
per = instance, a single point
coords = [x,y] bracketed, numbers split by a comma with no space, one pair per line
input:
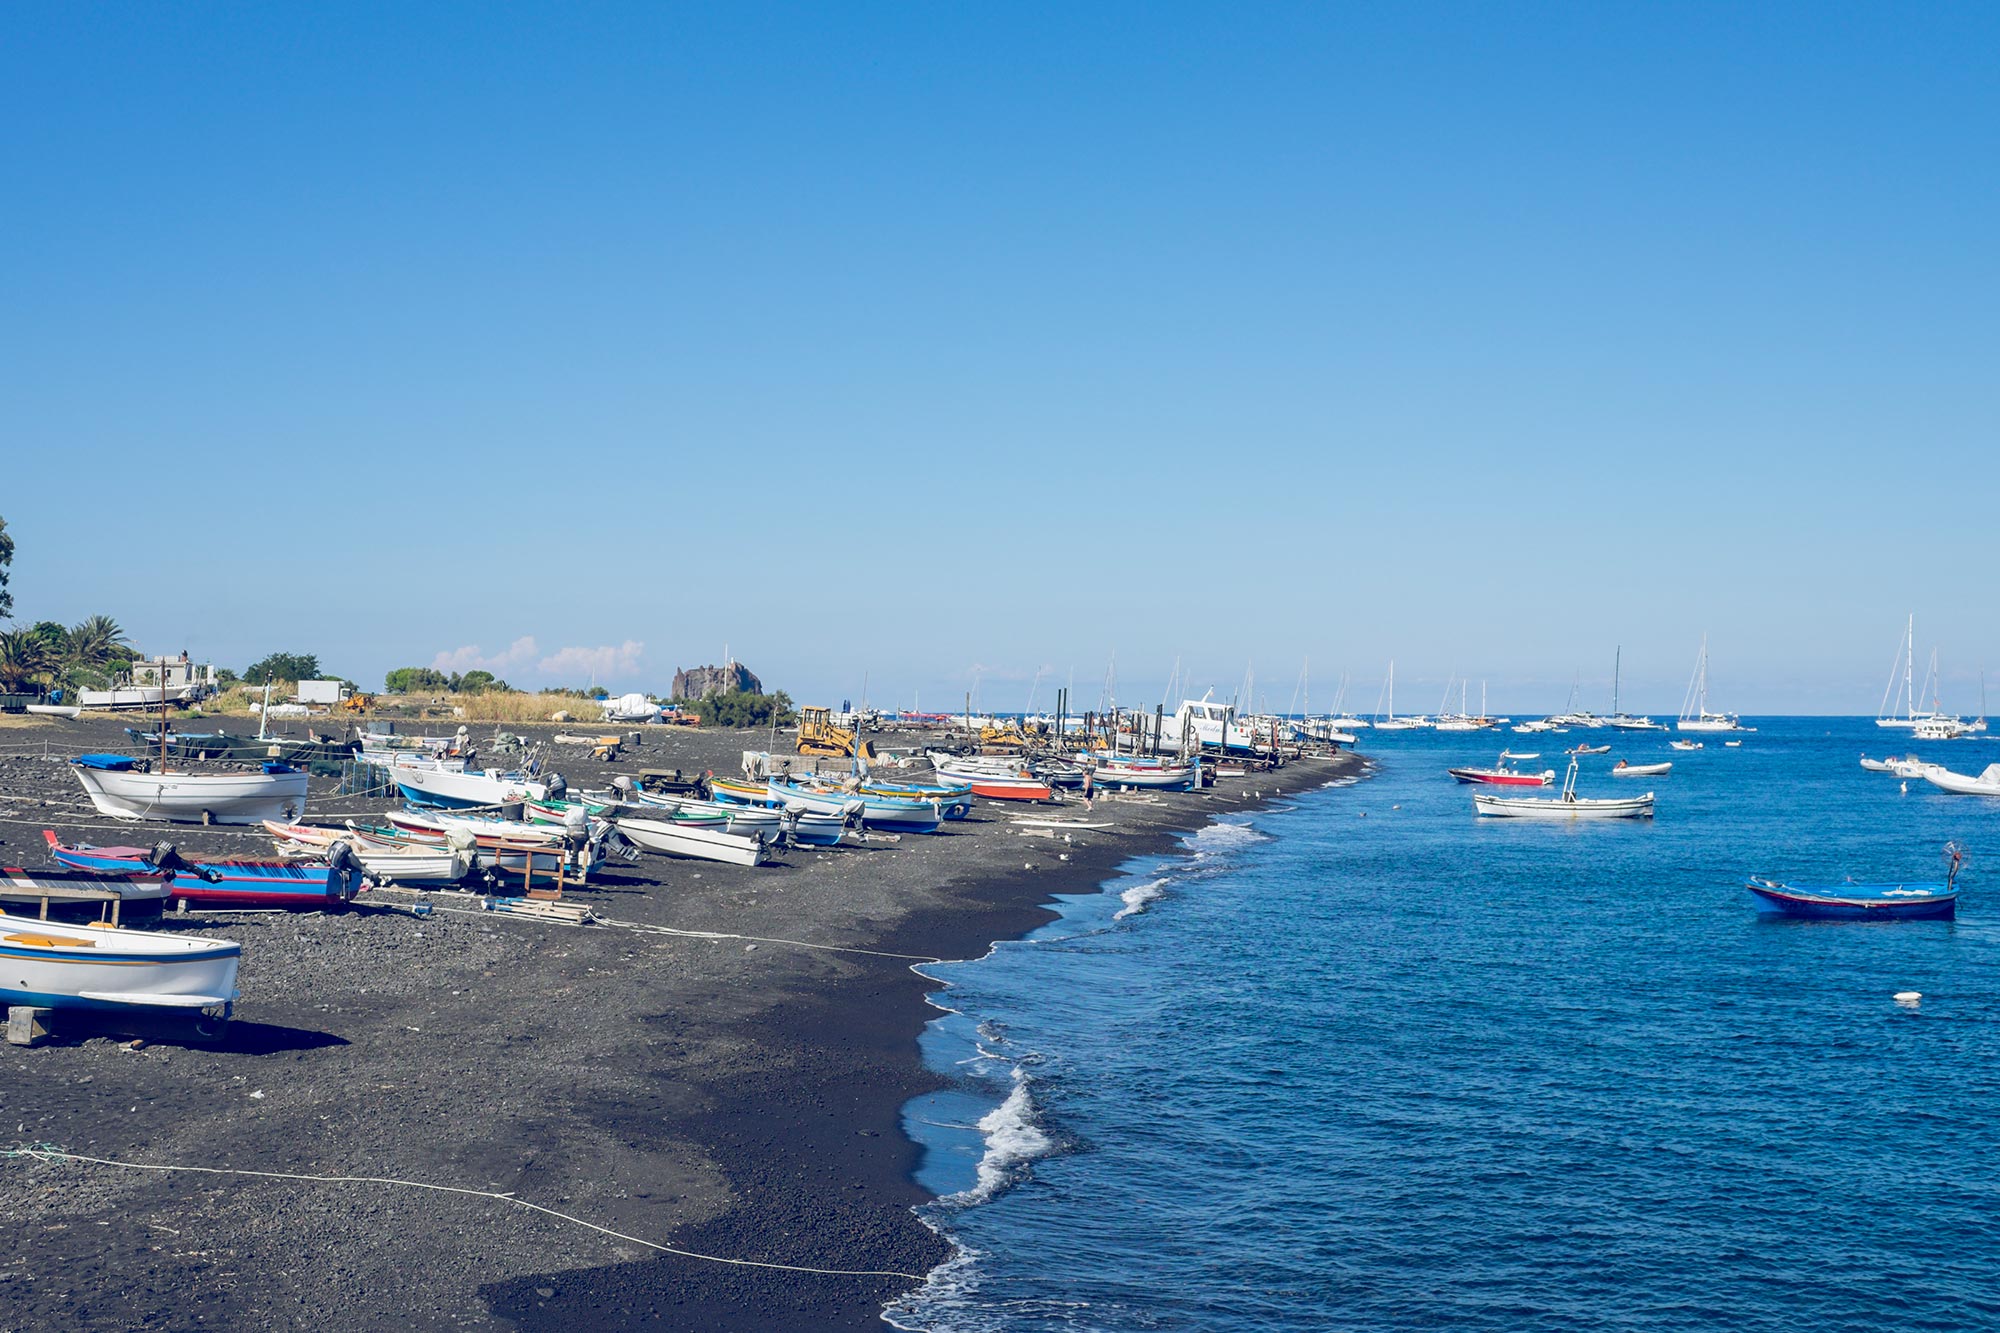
[1389,721]
[1619,718]
[1462,720]
[1694,708]
[1936,725]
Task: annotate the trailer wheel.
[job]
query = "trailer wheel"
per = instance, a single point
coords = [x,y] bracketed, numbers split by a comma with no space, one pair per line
[209,1026]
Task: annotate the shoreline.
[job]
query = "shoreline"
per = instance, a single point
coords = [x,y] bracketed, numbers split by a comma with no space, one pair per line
[732,1098]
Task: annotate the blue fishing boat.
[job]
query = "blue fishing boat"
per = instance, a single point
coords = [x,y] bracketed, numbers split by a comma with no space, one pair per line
[302,886]
[1862,902]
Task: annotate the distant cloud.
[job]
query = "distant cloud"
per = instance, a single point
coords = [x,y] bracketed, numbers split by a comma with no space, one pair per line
[571,666]
[472,657]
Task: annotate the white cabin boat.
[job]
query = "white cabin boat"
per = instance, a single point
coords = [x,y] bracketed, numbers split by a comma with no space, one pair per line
[152,681]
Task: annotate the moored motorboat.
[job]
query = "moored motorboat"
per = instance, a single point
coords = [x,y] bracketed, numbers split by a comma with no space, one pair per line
[1986,784]
[1856,902]
[1502,776]
[118,786]
[1626,769]
[1567,806]
[1849,901]
[1684,745]
[1587,749]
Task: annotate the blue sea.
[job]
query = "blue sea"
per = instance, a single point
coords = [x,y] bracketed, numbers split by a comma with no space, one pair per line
[1365,1061]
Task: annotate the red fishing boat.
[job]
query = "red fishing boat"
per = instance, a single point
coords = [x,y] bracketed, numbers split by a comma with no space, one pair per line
[1502,776]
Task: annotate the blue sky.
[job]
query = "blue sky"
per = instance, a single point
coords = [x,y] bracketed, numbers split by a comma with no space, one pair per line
[933,343]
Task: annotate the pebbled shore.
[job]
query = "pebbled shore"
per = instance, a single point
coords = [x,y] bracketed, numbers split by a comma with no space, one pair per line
[737,1098]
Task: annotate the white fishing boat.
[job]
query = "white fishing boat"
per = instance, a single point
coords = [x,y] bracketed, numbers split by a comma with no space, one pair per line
[697,842]
[443,787]
[1153,777]
[1623,769]
[55,710]
[1684,745]
[118,787]
[1694,708]
[1567,806]
[1986,784]
[113,968]
[1532,728]
[382,863]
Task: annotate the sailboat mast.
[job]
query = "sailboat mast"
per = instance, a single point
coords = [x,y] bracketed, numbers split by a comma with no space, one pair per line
[1617,669]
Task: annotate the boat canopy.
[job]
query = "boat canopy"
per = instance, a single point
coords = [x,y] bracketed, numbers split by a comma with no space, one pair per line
[111,763]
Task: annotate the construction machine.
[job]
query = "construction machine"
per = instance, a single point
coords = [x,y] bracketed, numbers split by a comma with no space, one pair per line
[818,735]
[358,702]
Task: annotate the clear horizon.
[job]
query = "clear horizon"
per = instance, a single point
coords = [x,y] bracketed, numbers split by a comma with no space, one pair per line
[932,347]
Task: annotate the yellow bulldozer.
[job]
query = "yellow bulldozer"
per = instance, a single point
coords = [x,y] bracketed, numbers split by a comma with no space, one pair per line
[818,735]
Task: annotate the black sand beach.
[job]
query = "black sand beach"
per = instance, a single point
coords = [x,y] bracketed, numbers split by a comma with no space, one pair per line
[732,1097]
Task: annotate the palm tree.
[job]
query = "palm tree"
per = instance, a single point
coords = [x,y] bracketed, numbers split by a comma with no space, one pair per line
[23,657]
[93,643]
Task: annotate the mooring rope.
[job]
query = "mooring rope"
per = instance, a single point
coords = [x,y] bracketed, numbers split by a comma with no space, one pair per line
[48,1153]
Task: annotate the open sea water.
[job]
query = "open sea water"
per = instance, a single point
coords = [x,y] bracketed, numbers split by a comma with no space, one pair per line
[1366,1061]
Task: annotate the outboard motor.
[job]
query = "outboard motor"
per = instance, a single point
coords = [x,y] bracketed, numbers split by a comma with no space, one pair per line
[347,865]
[513,811]
[556,788]
[622,784]
[166,859]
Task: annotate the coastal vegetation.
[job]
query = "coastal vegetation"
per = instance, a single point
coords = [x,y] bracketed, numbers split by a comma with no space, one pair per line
[741,708]
[48,655]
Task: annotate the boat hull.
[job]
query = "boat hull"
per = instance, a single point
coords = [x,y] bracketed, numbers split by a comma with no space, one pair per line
[105,968]
[1900,902]
[1515,807]
[694,842]
[196,798]
[441,788]
[286,885]
[1503,777]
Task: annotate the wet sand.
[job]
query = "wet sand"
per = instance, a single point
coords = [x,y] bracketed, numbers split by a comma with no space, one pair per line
[733,1097]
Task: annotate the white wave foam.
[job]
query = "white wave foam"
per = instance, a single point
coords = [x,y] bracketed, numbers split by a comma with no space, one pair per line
[1221,837]
[1012,1140]
[1138,896]
[951,1284]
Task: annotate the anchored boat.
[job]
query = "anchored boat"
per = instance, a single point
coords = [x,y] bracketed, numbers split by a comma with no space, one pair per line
[1502,776]
[1567,806]
[1863,902]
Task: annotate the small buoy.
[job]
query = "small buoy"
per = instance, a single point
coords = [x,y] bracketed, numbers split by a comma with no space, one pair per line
[1908,996]
[1906,789]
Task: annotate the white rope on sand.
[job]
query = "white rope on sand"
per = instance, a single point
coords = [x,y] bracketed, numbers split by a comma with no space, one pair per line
[48,1154]
[645,929]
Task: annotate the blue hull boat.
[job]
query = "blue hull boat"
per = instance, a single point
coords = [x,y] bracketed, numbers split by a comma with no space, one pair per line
[1857,902]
